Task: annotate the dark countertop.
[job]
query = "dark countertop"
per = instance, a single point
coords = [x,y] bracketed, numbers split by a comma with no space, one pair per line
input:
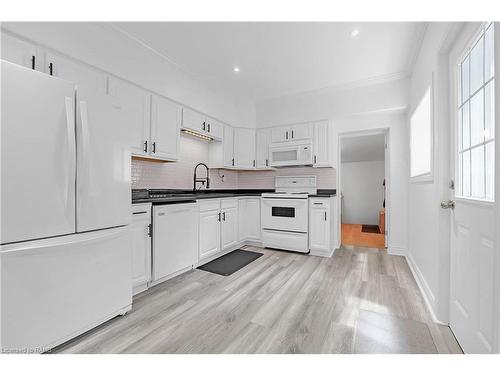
[186,196]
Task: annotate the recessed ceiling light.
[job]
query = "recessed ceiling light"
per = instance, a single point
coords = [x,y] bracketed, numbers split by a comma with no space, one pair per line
[355,33]
[236,69]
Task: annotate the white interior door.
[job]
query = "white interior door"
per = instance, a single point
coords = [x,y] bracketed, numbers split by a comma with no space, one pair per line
[37,155]
[472,230]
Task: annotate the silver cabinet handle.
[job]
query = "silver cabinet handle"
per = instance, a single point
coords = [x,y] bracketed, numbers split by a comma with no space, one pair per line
[448,204]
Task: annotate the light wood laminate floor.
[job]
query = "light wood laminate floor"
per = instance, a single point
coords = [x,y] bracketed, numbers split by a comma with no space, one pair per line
[361,300]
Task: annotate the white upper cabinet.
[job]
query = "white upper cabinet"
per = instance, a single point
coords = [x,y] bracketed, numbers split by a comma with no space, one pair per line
[166,117]
[297,132]
[200,123]
[214,128]
[262,153]
[244,148]
[228,146]
[193,120]
[20,52]
[301,132]
[279,134]
[135,104]
[322,145]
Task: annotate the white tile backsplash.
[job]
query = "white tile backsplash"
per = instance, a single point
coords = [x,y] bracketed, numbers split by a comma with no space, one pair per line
[179,175]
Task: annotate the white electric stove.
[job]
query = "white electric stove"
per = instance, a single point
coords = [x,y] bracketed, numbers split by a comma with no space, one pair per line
[285,213]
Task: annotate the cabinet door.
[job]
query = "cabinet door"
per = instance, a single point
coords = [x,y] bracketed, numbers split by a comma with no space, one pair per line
[252,219]
[244,148]
[214,128]
[165,128]
[20,52]
[319,230]
[320,145]
[229,228]
[209,233]
[228,146]
[263,139]
[193,120]
[301,132]
[135,108]
[141,249]
[280,134]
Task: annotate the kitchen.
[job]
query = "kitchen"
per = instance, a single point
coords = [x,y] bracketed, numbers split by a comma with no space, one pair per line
[193,208]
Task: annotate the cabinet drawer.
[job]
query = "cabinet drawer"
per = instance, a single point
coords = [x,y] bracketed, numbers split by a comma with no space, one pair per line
[141,209]
[319,202]
[229,203]
[209,205]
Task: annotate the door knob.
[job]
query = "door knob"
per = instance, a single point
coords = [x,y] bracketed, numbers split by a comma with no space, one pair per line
[448,204]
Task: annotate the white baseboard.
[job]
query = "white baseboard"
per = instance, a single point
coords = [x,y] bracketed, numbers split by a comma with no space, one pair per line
[425,290]
[396,250]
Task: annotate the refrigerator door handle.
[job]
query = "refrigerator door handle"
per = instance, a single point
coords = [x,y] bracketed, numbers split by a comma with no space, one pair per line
[85,142]
[70,131]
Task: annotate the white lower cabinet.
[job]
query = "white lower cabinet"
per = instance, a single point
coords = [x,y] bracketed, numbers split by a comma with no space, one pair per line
[218,227]
[229,223]
[249,219]
[209,238]
[322,229]
[140,236]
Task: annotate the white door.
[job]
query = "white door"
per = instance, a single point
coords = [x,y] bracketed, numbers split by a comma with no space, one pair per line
[20,52]
[193,120]
[244,148]
[175,240]
[320,145]
[209,233]
[319,226]
[141,245]
[228,146]
[262,154]
[165,128]
[103,152]
[134,104]
[38,155]
[229,226]
[472,219]
[301,132]
[280,134]
[57,288]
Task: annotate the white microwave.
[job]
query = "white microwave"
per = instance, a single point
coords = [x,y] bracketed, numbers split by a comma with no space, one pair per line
[291,155]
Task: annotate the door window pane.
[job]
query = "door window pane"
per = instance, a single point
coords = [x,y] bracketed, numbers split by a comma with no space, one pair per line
[476,66]
[489,62]
[489,110]
[466,174]
[465,79]
[465,126]
[477,119]
[477,171]
[490,170]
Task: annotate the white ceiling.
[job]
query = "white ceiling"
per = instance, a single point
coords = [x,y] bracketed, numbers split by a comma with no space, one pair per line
[363,148]
[278,59]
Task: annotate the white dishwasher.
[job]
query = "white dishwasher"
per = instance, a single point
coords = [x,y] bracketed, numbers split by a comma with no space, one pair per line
[175,240]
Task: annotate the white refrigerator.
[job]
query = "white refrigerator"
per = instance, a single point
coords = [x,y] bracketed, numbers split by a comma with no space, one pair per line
[65,258]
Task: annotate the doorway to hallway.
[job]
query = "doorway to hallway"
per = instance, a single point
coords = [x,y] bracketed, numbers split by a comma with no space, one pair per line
[363,190]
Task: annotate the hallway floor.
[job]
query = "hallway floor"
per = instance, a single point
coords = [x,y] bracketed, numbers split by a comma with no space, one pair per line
[352,235]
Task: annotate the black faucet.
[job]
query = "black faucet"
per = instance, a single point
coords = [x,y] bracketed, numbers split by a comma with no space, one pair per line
[202,180]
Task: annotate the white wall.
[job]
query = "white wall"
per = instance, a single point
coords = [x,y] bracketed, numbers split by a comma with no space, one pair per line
[362,190]
[429,254]
[104,47]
